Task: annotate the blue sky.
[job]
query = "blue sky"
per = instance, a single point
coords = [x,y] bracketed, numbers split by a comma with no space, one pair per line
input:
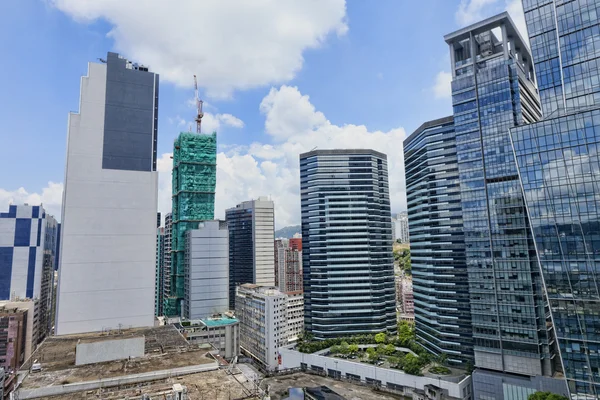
[278,79]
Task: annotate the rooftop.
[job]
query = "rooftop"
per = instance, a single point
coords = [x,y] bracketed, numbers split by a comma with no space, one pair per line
[221,321]
[502,19]
[343,152]
[165,348]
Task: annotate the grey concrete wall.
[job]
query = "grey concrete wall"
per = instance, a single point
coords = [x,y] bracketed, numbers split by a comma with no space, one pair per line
[42,393]
[109,350]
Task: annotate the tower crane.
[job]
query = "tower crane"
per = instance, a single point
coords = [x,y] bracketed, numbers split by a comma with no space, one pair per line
[198,106]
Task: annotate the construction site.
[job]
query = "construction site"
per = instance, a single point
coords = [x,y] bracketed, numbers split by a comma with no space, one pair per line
[193,184]
[169,369]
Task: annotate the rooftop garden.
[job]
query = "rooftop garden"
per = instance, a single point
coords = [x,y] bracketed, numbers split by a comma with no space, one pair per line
[400,351]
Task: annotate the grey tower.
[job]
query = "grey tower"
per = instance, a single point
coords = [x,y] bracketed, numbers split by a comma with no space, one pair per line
[346,243]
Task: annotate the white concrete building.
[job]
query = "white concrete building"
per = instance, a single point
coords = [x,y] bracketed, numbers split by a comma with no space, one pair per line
[108,245]
[262,312]
[295,316]
[401,227]
[206,289]
[221,331]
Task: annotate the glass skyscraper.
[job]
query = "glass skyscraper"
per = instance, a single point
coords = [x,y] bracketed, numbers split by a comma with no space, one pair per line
[437,245]
[251,227]
[346,243]
[493,90]
[559,168]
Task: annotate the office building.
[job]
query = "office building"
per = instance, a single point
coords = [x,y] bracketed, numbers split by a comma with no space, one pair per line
[406,303]
[288,266]
[262,312]
[194,181]
[22,245]
[108,243]
[26,332]
[251,227]
[13,336]
[557,161]
[159,274]
[493,90]
[295,243]
[401,227]
[166,283]
[295,316]
[440,283]
[206,289]
[279,243]
[57,250]
[47,297]
[347,262]
[222,331]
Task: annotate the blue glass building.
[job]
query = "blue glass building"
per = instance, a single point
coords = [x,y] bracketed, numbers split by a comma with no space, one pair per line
[348,267]
[493,90]
[437,245]
[558,165]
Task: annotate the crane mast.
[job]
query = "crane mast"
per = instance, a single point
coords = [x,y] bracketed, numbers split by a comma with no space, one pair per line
[198,106]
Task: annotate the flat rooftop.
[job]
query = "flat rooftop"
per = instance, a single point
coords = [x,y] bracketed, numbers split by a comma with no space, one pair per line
[165,348]
[205,385]
[220,321]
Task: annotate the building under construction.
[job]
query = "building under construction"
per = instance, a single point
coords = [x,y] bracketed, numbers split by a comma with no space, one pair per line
[194,181]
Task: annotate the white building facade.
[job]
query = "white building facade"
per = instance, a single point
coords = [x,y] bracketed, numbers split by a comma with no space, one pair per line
[108,244]
[295,316]
[262,312]
[206,290]
[401,227]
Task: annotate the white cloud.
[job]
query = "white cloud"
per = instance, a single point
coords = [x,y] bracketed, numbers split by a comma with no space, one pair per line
[515,9]
[271,169]
[210,122]
[50,198]
[230,120]
[229,45]
[471,11]
[441,88]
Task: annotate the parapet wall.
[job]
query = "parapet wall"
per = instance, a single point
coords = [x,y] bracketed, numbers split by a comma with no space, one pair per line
[109,350]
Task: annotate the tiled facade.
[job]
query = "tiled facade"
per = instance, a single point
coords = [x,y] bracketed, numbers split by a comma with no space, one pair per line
[22,244]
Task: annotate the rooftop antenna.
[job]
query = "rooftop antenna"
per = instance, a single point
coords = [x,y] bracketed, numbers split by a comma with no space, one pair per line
[199,106]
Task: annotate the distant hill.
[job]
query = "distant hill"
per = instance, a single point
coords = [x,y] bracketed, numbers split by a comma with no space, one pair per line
[288,232]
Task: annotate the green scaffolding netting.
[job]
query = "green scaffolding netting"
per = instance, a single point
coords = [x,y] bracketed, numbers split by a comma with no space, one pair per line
[194,181]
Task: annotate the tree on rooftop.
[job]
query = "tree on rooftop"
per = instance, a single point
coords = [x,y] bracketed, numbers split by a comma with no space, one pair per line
[380,338]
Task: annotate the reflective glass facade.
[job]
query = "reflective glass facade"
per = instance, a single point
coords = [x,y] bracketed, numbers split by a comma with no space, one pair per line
[492,91]
[440,281]
[565,45]
[348,267]
[559,165]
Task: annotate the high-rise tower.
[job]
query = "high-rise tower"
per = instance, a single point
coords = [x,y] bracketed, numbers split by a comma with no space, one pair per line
[559,168]
[493,90]
[437,244]
[251,227]
[108,244]
[347,260]
[194,181]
